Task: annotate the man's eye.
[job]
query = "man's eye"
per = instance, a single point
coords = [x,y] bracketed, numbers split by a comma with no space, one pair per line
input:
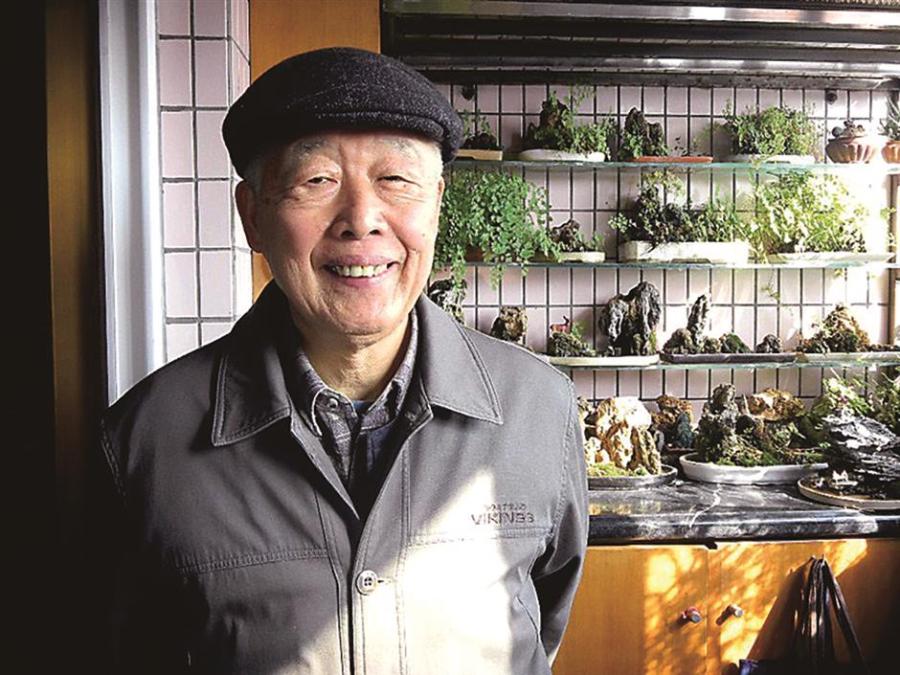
[317,180]
[396,178]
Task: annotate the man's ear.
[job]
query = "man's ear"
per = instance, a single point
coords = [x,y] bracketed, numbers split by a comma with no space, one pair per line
[440,190]
[247,203]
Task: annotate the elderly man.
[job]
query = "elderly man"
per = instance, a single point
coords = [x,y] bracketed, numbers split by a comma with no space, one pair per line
[349,481]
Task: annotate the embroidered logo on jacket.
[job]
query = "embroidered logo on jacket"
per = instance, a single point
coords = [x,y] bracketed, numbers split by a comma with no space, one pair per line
[506,513]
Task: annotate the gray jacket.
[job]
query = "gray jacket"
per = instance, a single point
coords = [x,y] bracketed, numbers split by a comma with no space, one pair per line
[242,552]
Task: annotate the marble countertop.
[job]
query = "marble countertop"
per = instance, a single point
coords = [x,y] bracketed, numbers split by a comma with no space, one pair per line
[688,511]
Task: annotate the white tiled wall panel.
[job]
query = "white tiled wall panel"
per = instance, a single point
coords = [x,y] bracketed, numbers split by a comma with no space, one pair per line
[203,67]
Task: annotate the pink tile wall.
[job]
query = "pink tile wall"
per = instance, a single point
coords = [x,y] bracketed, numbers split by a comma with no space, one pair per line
[203,67]
[752,303]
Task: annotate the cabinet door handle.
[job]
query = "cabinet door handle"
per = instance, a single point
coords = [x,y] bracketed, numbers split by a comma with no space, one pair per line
[692,615]
[731,610]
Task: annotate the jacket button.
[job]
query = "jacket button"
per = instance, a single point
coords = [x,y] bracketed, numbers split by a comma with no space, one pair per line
[366,582]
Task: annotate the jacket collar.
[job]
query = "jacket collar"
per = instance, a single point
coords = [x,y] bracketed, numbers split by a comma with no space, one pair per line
[452,370]
[251,393]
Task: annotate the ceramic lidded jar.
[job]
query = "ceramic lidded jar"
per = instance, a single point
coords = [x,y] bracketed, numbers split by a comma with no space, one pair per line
[852,144]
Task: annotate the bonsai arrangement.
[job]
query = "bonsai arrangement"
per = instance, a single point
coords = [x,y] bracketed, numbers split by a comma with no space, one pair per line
[840,332]
[618,441]
[640,138]
[693,340]
[573,246]
[760,430]
[861,437]
[480,142]
[771,135]
[499,216]
[667,232]
[629,321]
[559,137]
[803,215]
[567,341]
[852,144]
[890,127]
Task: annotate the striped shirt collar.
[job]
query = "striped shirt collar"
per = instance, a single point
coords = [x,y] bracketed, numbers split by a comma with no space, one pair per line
[312,394]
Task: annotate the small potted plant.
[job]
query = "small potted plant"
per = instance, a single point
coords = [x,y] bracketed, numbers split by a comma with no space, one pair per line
[492,216]
[480,143]
[852,144]
[574,247]
[839,333]
[559,138]
[890,127]
[667,232]
[771,135]
[567,342]
[802,216]
[643,141]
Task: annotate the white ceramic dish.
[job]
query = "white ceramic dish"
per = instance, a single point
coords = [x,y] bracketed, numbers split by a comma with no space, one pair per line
[601,361]
[831,256]
[728,252]
[667,475]
[771,159]
[583,256]
[708,472]
[540,155]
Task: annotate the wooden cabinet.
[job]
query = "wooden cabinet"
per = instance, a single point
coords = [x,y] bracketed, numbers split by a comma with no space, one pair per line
[627,615]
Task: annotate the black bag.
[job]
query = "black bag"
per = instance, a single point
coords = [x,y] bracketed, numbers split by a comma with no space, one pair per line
[812,651]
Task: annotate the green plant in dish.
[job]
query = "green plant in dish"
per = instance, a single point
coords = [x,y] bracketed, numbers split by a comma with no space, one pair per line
[886,402]
[839,394]
[651,219]
[558,129]
[839,332]
[477,132]
[728,433]
[803,212]
[641,138]
[570,239]
[567,339]
[502,215]
[773,131]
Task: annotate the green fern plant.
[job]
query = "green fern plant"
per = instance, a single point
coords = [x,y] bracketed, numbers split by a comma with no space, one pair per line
[502,215]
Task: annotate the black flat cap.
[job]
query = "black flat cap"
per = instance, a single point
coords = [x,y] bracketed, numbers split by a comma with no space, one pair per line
[337,88]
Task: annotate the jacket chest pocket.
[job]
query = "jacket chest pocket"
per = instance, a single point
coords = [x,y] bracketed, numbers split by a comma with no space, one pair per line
[277,616]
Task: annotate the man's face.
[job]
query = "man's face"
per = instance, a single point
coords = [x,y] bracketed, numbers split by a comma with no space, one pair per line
[347,221]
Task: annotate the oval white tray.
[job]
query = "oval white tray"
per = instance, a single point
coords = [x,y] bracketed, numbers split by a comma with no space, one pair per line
[609,361]
[708,472]
[583,256]
[729,252]
[541,155]
[771,159]
[667,475]
[831,256]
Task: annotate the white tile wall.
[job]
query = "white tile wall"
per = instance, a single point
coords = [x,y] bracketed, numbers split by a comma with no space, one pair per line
[203,54]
